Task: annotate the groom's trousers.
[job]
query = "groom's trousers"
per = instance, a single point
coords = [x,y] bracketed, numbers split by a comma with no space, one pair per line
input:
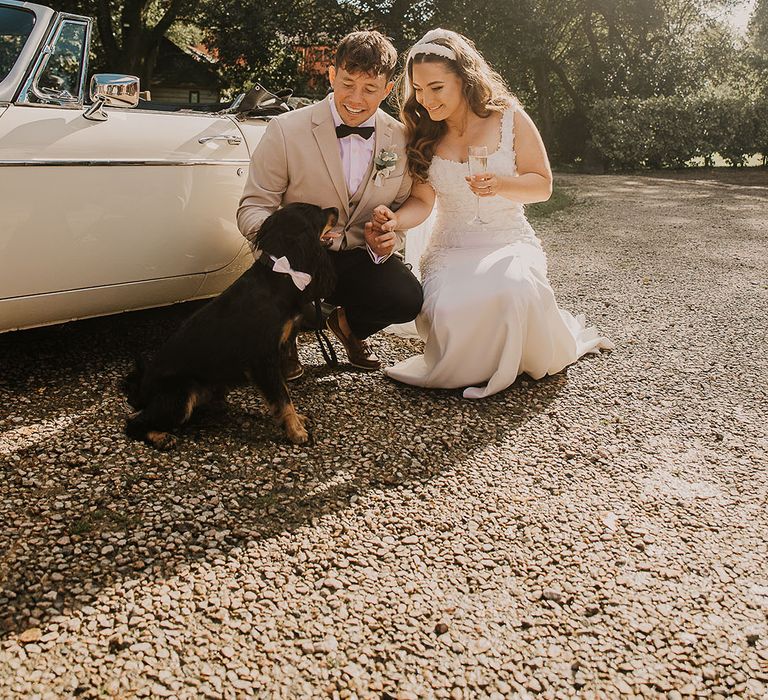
[374,296]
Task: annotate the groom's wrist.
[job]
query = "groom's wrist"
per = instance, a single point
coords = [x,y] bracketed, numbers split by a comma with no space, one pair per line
[377,259]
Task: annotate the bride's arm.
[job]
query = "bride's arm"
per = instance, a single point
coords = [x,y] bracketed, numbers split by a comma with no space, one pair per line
[413,211]
[533,182]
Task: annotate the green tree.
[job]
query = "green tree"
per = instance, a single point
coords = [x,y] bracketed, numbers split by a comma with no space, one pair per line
[129,32]
[758,47]
[258,41]
[403,21]
[561,56]
[758,26]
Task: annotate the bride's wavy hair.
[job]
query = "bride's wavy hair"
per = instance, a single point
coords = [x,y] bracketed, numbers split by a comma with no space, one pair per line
[483,88]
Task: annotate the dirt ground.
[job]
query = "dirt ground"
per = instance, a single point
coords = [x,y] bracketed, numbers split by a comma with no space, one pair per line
[601,533]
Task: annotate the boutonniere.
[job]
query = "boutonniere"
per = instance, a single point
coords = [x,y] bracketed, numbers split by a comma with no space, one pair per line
[384,164]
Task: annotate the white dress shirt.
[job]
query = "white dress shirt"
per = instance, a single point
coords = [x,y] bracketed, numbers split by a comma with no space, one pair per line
[356,154]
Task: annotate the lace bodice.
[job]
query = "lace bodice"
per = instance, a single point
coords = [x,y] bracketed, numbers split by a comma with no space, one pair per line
[456,203]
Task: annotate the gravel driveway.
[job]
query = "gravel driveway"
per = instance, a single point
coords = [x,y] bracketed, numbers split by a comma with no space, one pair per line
[600,533]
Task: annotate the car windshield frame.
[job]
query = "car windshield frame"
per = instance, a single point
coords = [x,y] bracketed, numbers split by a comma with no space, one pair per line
[17,16]
[33,92]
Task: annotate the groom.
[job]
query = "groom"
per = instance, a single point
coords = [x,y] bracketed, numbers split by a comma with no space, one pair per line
[344,152]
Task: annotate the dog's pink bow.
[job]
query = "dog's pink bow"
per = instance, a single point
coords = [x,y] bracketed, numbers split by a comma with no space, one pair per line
[300,279]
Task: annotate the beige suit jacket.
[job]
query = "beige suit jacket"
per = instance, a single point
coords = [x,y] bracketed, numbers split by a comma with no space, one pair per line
[298,160]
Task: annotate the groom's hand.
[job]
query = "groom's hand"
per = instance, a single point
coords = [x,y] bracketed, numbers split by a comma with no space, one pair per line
[380,231]
[381,243]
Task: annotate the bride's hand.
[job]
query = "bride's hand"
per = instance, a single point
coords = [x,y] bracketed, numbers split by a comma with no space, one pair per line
[484,184]
[383,219]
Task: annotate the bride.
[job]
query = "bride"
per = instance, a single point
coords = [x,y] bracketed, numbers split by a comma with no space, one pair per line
[489,312]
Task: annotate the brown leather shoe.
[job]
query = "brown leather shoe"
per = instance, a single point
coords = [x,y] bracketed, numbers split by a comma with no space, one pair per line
[359,353]
[289,360]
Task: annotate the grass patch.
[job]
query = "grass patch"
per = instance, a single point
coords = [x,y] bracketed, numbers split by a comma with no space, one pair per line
[102,519]
[80,527]
[561,199]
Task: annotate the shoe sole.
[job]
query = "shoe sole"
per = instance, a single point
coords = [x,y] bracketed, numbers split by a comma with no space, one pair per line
[368,369]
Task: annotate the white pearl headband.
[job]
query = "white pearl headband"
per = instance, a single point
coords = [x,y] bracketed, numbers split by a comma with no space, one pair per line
[426,45]
[436,49]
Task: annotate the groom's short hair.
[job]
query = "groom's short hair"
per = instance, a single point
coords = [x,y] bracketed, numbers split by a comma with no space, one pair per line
[366,52]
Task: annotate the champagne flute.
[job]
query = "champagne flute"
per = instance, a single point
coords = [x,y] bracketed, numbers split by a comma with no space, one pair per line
[478,163]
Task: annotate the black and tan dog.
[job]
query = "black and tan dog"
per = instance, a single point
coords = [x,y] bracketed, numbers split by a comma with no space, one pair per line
[235,339]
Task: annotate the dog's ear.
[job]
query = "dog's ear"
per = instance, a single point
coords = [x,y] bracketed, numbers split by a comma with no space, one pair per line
[304,249]
[267,232]
[294,232]
[324,276]
[283,230]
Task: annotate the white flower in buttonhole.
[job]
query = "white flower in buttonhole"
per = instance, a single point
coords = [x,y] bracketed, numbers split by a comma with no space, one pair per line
[384,163]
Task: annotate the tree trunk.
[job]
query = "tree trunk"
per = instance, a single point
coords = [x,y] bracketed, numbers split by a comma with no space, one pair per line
[135,53]
[592,162]
[597,69]
[544,101]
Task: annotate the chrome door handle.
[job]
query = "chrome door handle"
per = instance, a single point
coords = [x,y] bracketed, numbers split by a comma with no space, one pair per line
[231,139]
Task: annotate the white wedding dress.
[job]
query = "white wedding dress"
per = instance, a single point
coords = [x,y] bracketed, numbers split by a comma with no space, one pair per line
[489,312]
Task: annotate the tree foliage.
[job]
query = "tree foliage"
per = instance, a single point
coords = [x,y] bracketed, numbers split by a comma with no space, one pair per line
[758,46]
[129,32]
[673,130]
[263,46]
[561,57]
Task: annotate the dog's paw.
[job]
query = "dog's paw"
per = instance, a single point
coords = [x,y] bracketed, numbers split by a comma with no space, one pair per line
[161,441]
[297,434]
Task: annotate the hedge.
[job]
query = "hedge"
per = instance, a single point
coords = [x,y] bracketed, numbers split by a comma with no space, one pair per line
[629,133]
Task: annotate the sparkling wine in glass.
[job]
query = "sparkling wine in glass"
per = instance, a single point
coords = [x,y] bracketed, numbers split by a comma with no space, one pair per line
[478,163]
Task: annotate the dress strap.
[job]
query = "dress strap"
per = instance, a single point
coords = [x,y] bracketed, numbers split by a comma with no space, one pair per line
[508,129]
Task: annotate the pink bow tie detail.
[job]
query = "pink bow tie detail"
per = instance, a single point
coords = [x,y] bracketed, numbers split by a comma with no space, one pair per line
[300,279]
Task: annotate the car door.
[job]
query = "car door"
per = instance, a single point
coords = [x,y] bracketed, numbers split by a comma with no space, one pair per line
[142,196]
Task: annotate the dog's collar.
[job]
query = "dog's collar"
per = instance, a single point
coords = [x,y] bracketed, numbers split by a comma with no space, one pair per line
[283,266]
[264,259]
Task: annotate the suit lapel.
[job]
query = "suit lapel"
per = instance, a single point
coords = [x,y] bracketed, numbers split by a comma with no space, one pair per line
[383,139]
[325,135]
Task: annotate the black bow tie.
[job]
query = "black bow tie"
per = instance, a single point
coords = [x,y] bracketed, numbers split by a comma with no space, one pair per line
[343,130]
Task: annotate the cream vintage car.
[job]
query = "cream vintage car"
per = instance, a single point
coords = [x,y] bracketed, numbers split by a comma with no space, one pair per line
[107,203]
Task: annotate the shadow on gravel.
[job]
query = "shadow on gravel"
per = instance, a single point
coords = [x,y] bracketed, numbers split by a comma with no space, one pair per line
[82,508]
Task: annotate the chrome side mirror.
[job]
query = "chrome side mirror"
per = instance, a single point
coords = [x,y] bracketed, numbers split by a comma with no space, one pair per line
[111,90]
